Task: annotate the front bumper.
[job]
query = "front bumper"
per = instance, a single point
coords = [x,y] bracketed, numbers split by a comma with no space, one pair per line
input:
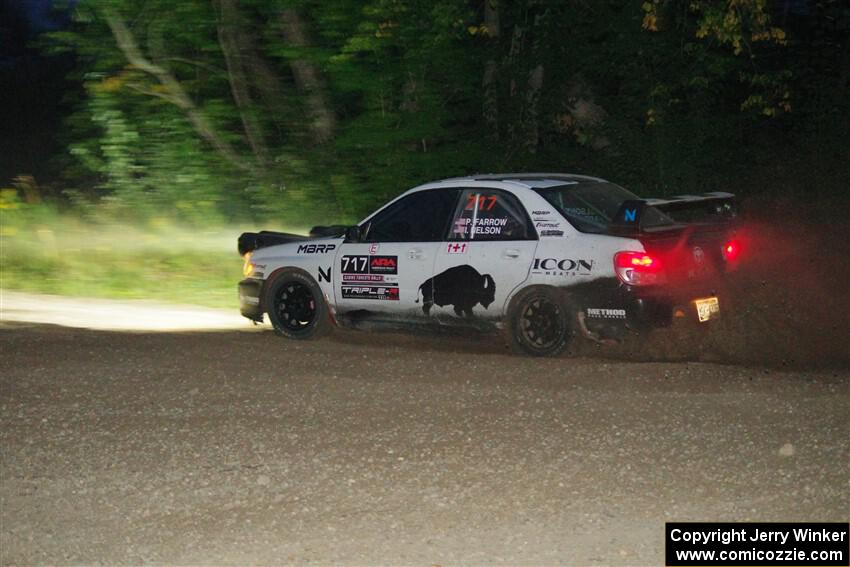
[250,302]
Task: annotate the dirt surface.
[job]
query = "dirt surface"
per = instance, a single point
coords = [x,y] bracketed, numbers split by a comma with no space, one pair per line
[144,446]
[241,448]
[114,314]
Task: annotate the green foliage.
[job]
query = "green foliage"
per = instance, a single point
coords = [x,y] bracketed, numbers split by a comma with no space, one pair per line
[665,96]
[47,251]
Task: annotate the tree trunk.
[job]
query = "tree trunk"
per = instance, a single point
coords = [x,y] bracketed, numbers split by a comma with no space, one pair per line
[308,79]
[174,92]
[535,85]
[532,108]
[491,68]
[266,80]
[230,39]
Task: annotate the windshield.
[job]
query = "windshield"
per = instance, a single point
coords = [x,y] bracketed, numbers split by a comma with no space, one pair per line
[591,205]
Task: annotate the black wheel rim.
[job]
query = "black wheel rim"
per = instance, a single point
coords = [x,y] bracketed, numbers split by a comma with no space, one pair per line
[541,324]
[295,306]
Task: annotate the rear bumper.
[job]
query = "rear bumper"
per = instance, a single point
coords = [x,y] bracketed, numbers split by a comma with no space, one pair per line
[250,304]
[624,307]
[659,307]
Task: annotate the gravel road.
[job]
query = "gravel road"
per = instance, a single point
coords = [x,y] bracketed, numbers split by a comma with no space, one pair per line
[242,448]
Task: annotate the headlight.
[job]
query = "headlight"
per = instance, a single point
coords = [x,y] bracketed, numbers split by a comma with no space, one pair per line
[248,266]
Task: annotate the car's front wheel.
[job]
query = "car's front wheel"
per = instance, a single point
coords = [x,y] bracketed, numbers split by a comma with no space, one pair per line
[539,322]
[296,307]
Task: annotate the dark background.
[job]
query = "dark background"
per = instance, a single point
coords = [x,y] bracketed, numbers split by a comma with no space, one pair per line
[318,111]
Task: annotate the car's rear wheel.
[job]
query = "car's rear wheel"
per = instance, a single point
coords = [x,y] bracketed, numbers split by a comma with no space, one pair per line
[296,307]
[539,322]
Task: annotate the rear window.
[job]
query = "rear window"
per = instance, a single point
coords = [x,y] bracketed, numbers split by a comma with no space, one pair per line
[590,206]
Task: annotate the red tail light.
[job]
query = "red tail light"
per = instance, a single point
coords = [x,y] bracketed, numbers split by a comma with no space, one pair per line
[638,268]
[731,250]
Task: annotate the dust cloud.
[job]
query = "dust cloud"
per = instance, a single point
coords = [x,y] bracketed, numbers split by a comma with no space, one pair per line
[786,306]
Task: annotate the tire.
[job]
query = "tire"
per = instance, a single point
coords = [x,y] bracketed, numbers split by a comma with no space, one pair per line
[539,322]
[296,307]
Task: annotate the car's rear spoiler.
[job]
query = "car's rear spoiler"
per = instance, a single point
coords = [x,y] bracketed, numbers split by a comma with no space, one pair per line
[707,208]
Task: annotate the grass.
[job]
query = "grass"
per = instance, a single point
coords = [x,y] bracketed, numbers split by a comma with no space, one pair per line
[67,256]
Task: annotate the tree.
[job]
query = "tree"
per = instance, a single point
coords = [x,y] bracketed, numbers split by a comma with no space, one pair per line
[234,46]
[308,79]
[276,107]
[746,27]
[172,90]
[490,84]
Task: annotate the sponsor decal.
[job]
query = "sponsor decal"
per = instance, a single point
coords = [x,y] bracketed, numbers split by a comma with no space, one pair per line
[363,278]
[561,267]
[369,265]
[548,225]
[325,274]
[461,286]
[379,293]
[315,248]
[551,233]
[383,265]
[456,247]
[629,215]
[541,213]
[597,313]
[373,248]
[584,213]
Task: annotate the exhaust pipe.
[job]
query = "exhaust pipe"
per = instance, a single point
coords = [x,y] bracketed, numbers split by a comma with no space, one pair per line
[588,334]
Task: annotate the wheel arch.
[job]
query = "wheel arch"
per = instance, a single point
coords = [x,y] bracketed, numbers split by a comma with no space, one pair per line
[273,277]
[279,272]
[562,291]
[521,337]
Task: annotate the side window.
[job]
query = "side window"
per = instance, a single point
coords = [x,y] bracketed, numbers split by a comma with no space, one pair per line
[420,217]
[490,214]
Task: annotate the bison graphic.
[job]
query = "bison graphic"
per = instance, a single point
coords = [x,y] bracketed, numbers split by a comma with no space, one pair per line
[461,286]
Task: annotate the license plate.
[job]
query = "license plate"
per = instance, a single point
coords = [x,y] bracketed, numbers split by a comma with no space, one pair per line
[707,308]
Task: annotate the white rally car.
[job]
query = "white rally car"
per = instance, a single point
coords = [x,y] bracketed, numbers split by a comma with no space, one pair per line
[543,257]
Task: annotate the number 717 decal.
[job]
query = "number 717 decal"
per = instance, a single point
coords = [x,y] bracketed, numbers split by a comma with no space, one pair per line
[485,202]
[369,265]
[355,264]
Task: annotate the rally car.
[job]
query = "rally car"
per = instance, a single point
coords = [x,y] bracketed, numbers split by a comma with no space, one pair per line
[541,257]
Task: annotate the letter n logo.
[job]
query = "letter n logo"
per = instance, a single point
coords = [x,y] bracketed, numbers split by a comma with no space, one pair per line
[325,275]
[629,215]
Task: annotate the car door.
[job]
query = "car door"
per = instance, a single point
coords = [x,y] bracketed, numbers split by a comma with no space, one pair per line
[488,253]
[382,273]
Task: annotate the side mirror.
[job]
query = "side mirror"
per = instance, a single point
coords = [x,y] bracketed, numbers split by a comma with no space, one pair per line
[352,234]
